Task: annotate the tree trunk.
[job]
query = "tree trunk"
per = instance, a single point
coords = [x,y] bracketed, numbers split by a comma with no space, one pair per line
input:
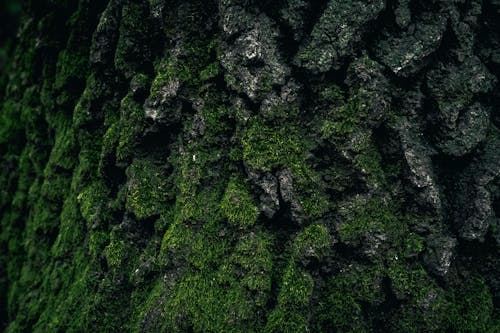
[251,166]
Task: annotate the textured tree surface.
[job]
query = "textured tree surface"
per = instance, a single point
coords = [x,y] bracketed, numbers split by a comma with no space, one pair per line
[250,166]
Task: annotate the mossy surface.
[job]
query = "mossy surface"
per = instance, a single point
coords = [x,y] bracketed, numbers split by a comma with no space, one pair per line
[238,205]
[147,189]
[266,147]
[229,166]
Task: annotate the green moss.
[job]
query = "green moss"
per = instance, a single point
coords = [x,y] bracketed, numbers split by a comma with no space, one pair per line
[412,245]
[471,308]
[238,205]
[290,314]
[205,306]
[252,257]
[227,278]
[211,71]
[71,65]
[342,306]
[423,316]
[364,217]
[309,190]
[409,282]
[71,228]
[215,116]
[166,76]
[65,147]
[292,321]
[92,201]
[192,207]
[132,122]
[202,249]
[97,242]
[280,112]
[131,48]
[83,113]
[147,189]
[11,130]
[369,162]
[115,253]
[143,321]
[88,161]
[331,94]
[345,119]
[189,69]
[265,147]
[228,294]
[110,143]
[312,242]
[296,288]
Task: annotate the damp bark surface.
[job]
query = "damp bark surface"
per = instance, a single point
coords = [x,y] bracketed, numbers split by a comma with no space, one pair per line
[250,166]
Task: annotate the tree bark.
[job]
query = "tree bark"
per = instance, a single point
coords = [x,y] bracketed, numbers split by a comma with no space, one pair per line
[251,166]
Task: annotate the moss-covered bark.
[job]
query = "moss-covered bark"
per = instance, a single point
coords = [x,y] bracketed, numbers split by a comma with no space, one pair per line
[251,166]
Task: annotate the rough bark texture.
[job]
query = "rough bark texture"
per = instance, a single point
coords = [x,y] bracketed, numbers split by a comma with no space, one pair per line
[251,166]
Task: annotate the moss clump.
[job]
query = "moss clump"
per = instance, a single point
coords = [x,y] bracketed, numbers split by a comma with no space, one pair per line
[84,112]
[312,243]
[253,259]
[98,240]
[369,162]
[296,288]
[309,190]
[131,49]
[110,143]
[71,67]
[11,130]
[132,121]
[346,293]
[471,308]
[211,71]
[426,315]
[189,69]
[291,321]
[206,306]
[147,189]
[345,119]
[71,228]
[238,205]
[215,116]
[201,247]
[167,80]
[331,94]
[115,253]
[412,245]
[93,201]
[408,282]
[265,147]
[367,217]
[65,147]
[227,294]
[290,314]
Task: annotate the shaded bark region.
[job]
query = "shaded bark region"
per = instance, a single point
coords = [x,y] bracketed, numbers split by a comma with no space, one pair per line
[251,166]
